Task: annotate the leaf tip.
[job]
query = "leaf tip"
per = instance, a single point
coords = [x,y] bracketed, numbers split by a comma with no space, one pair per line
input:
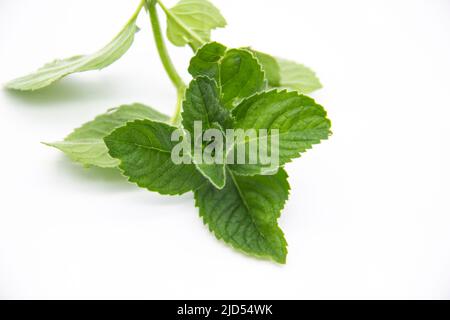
[48,144]
[279,256]
[280,260]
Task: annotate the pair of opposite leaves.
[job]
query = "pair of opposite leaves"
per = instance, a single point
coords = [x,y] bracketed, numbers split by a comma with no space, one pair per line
[240,206]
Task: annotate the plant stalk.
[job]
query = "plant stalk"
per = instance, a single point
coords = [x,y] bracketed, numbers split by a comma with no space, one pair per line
[165,59]
[176,118]
[161,46]
[138,10]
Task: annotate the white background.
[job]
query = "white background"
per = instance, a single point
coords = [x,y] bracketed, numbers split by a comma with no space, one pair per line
[368,215]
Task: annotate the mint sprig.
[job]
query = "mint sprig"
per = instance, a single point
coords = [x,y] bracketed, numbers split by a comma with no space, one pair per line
[231,89]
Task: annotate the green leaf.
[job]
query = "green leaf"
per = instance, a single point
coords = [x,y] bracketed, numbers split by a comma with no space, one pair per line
[298,77]
[206,60]
[144,149]
[86,145]
[202,104]
[58,69]
[191,21]
[284,73]
[245,212]
[240,76]
[271,68]
[237,71]
[300,122]
[215,173]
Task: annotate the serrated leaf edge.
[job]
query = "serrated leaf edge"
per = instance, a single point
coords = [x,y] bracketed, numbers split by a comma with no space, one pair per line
[130,179]
[252,255]
[297,93]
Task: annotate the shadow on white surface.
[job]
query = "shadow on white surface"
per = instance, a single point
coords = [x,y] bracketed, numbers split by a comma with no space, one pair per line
[110,180]
[107,176]
[67,89]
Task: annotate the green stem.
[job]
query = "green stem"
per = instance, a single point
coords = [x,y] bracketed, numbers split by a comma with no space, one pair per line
[161,46]
[176,118]
[138,10]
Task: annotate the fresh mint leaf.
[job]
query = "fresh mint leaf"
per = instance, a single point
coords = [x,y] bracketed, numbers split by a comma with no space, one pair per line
[240,76]
[191,21]
[237,71]
[284,73]
[85,144]
[297,76]
[300,122]
[58,69]
[215,173]
[244,213]
[202,104]
[271,68]
[144,148]
[206,61]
